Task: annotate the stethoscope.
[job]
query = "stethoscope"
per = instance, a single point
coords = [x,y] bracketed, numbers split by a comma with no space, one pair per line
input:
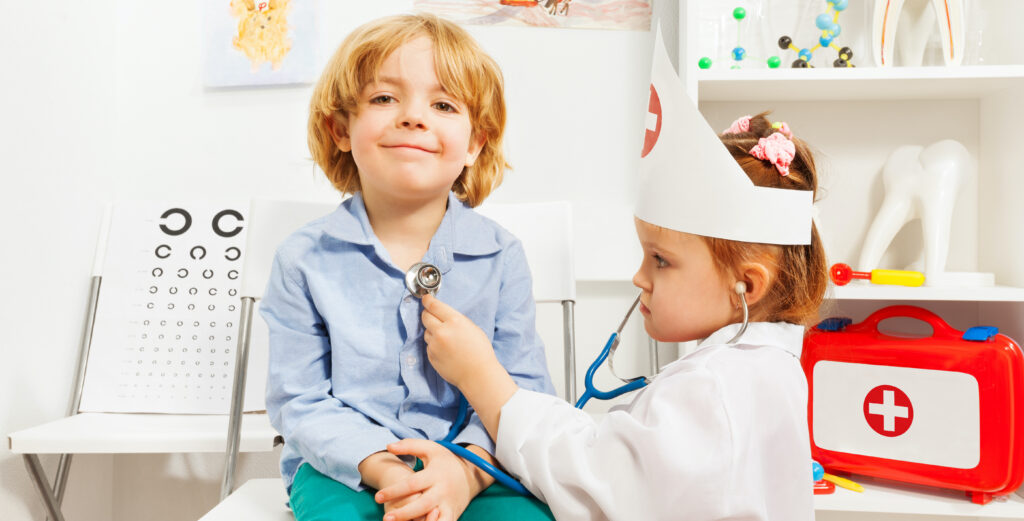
[424,278]
[639,382]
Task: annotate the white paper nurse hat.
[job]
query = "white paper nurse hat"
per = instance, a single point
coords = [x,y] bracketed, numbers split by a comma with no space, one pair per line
[690,183]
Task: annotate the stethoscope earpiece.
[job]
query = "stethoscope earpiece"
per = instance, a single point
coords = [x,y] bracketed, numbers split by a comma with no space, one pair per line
[741,290]
[423,278]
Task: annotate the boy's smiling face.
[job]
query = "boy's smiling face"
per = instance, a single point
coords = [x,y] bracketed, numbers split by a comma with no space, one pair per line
[410,139]
[684,296]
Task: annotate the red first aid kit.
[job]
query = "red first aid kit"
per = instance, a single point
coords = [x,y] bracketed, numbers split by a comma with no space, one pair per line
[945,410]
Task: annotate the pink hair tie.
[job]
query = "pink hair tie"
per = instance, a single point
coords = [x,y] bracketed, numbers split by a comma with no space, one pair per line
[777,149]
[739,126]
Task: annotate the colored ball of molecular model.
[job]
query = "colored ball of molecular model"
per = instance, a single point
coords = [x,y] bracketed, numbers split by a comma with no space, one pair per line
[828,24]
[739,53]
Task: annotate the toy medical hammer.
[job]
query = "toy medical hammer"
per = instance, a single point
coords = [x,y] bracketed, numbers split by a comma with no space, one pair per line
[841,274]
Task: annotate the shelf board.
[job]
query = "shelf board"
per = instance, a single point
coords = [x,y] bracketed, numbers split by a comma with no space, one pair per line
[898,498]
[861,83]
[866,291]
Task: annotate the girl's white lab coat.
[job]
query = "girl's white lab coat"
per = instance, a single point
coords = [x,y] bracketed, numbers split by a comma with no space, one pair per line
[719,434]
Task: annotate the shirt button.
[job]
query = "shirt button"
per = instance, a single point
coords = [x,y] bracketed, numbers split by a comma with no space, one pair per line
[410,361]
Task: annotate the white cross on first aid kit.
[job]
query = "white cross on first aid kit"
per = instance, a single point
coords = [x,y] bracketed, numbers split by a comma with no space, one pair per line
[857,412]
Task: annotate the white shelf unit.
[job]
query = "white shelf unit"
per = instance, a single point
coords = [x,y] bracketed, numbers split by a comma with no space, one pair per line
[861,83]
[853,118]
[868,291]
[887,498]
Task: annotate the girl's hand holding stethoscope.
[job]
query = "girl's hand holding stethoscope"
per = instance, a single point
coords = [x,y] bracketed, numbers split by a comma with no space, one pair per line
[456,347]
[461,353]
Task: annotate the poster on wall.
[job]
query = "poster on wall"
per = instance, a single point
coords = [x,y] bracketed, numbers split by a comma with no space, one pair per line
[577,14]
[258,42]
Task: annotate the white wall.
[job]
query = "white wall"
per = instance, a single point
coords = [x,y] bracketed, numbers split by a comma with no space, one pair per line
[103,101]
[57,117]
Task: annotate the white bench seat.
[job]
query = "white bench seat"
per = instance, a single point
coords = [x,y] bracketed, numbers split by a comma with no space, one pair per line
[104,433]
[256,500]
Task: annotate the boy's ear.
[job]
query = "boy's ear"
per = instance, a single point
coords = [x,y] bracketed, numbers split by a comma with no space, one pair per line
[757,277]
[339,132]
[476,144]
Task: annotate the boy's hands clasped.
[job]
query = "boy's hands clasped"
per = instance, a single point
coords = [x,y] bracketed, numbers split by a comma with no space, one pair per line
[382,470]
[441,491]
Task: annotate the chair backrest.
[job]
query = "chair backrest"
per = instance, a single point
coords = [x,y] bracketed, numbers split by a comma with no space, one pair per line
[545,229]
[270,222]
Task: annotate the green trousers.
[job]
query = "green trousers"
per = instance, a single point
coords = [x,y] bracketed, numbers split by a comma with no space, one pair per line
[316,497]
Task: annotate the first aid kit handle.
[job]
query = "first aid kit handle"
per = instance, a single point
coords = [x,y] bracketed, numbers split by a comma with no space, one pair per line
[940,328]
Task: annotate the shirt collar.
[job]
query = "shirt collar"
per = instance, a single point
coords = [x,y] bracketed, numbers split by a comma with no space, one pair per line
[349,222]
[462,230]
[789,337]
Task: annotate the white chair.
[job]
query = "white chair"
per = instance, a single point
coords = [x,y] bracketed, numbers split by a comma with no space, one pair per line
[120,433]
[270,222]
[545,230]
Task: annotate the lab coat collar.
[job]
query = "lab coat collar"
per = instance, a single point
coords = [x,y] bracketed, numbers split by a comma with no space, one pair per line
[779,334]
[462,231]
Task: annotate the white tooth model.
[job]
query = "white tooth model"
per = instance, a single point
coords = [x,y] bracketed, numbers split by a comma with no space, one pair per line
[922,182]
[915,27]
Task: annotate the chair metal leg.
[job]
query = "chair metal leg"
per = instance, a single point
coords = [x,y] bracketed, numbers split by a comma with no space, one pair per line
[35,471]
[237,396]
[569,335]
[60,481]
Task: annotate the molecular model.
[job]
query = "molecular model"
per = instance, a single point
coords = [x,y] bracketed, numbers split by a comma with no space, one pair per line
[829,25]
[738,52]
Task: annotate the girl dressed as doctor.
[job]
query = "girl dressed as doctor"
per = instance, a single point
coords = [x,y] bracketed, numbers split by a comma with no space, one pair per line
[721,433]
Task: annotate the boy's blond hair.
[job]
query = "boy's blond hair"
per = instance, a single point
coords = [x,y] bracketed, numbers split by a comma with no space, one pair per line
[464,70]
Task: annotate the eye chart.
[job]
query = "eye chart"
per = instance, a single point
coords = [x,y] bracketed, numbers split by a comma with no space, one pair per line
[166,325]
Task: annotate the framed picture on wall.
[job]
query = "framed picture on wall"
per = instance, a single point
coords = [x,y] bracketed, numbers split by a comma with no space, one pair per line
[258,42]
[579,14]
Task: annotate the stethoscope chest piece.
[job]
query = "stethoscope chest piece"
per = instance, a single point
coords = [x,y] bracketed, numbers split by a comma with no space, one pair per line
[423,278]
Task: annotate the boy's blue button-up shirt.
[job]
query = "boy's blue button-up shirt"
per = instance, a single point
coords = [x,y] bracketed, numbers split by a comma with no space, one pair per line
[348,366]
